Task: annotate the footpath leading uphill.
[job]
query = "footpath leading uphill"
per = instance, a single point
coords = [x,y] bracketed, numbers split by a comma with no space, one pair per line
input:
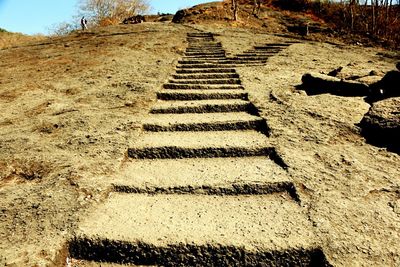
[203,185]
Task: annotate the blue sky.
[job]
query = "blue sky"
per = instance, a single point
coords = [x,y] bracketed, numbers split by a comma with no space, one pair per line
[38,16]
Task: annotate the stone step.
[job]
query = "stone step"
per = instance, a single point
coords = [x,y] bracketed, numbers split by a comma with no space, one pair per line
[205,66]
[202,106]
[268,48]
[205,47]
[263,52]
[241,61]
[196,61]
[205,53]
[204,58]
[205,50]
[204,122]
[205,70]
[202,94]
[201,86]
[88,263]
[200,34]
[225,61]
[256,55]
[199,45]
[203,42]
[206,76]
[200,48]
[206,81]
[284,45]
[227,176]
[200,37]
[251,62]
[198,230]
[200,40]
[261,58]
[219,53]
[162,145]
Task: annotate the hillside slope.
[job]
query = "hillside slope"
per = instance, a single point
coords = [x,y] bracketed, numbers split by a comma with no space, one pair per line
[273,18]
[9,39]
[71,107]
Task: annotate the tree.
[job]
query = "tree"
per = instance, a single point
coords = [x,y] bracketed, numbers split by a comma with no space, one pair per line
[235,9]
[256,7]
[63,28]
[112,10]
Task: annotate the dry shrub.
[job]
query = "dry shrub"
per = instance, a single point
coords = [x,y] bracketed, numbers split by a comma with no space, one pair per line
[377,19]
[23,170]
[108,21]
[110,12]
[63,29]
[380,20]
[46,127]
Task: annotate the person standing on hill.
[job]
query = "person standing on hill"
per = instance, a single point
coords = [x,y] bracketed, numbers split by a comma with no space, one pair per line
[84,23]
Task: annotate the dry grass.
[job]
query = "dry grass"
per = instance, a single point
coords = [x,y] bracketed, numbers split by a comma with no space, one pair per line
[8,39]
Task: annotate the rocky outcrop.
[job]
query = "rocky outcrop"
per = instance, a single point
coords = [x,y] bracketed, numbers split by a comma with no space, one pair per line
[388,86]
[134,19]
[213,11]
[315,83]
[381,125]
[374,90]
[178,18]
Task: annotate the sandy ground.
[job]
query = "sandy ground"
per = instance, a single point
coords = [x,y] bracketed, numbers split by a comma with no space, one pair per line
[350,188]
[70,107]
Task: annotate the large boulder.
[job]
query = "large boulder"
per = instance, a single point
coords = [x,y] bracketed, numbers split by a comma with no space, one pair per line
[179,16]
[381,125]
[388,86]
[316,83]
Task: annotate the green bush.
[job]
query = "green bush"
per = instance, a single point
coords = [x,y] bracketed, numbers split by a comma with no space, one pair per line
[2,30]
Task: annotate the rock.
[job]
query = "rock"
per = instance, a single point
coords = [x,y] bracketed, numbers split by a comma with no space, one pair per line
[381,125]
[388,86]
[335,72]
[178,18]
[373,73]
[314,83]
[134,19]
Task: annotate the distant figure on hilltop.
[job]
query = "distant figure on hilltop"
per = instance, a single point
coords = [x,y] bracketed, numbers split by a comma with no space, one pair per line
[84,23]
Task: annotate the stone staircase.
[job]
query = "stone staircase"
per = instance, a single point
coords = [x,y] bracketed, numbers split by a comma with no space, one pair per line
[260,54]
[204,185]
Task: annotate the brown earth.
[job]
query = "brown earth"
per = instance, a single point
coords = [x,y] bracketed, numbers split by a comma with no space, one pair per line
[70,106]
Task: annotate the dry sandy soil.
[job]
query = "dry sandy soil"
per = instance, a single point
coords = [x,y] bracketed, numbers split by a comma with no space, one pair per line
[70,106]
